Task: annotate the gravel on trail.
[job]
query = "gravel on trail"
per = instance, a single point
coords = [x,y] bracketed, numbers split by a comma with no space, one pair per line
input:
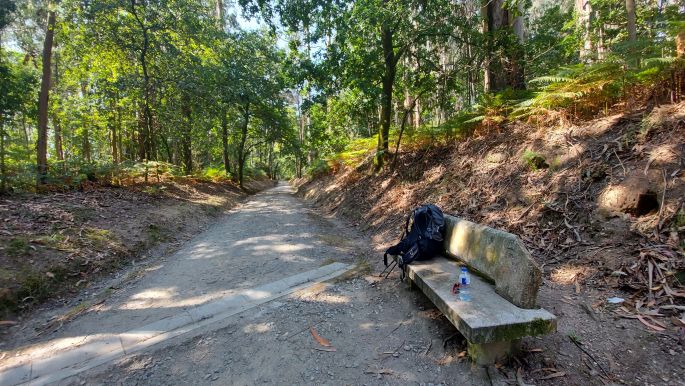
[354,329]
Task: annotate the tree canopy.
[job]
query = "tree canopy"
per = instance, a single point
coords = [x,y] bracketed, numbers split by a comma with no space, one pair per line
[95,90]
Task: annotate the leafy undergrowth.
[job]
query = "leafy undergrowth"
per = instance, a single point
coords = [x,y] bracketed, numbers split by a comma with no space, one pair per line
[58,242]
[550,187]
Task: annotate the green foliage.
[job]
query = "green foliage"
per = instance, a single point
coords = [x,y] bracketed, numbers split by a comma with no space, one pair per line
[215,173]
[534,160]
[318,168]
[18,247]
[581,88]
[151,90]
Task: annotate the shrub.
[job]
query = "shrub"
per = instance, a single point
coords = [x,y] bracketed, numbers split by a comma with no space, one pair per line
[318,168]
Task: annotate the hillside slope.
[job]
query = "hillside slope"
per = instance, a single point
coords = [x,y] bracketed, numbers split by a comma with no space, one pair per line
[600,206]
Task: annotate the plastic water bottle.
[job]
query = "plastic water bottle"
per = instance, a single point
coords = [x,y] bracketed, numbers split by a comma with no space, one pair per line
[464,285]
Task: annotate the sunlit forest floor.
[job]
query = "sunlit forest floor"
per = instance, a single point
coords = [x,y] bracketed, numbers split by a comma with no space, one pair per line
[600,206]
[54,245]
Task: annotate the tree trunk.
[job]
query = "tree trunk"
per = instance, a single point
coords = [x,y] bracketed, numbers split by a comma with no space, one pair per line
[224,141]
[3,167]
[243,140]
[146,132]
[630,15]
[56,119]
[583,10]
[140,137]
[680,43]
[113,132]
[601,46]
[220,14]
[187,137]
[42,145]
[505,56]
[86,145]
[390,61]
[58,138]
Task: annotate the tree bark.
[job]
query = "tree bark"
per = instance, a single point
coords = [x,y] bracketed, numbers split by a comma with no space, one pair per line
[58,138]
[680,43]
[187,137]
[243,140]
[86,145]
[505,55]
[56,119]
[390,70]
[630,15]
[146,131]
[3,167]
[220,14]
[583,10]
[113,132]
[42,145]
[224,141]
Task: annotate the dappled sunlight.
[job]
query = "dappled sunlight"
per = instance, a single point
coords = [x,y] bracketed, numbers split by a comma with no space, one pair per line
[50,348]
[569,274]
[148,297]
[256,294]
[367,326]
[282,247]
[168,298]
[258,328]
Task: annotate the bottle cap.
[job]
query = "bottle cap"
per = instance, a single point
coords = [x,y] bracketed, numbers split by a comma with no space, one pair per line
[463,269]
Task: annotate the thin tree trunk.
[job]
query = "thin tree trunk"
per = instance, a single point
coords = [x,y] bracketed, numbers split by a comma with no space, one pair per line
[56,119]
[399,137]
[187,137]
[58,138]
[113,132]
[25,129]
[3,167]
[224,140]
[630,15]
[390,60]
[42,145]
[220,14]
[583,10]
[680,43]
[243,140]
[86,145]
[146,131]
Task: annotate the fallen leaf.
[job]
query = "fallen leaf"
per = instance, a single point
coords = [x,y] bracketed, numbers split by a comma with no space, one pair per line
[461,354]
[553,375]
[322,341]
[653,327]
[328,349]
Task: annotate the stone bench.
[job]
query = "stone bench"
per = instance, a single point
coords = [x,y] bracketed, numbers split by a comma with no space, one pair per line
[499,314]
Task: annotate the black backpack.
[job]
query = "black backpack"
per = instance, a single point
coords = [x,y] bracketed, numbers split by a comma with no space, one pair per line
[422,238]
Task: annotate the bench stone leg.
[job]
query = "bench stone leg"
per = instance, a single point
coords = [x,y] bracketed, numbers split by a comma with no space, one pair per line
[490,353]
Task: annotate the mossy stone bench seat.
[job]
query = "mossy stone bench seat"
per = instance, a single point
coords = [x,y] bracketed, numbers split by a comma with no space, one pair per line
[491,325]
[503,306]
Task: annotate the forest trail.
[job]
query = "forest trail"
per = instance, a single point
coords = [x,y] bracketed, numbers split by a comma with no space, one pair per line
[376,332]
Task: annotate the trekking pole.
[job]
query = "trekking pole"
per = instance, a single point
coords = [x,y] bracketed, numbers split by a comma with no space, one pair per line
[391,266]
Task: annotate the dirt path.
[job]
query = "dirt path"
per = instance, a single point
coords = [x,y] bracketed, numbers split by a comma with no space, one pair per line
[381,332]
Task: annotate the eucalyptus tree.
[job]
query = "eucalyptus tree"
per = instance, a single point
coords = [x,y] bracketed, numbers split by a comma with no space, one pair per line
[366,40]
